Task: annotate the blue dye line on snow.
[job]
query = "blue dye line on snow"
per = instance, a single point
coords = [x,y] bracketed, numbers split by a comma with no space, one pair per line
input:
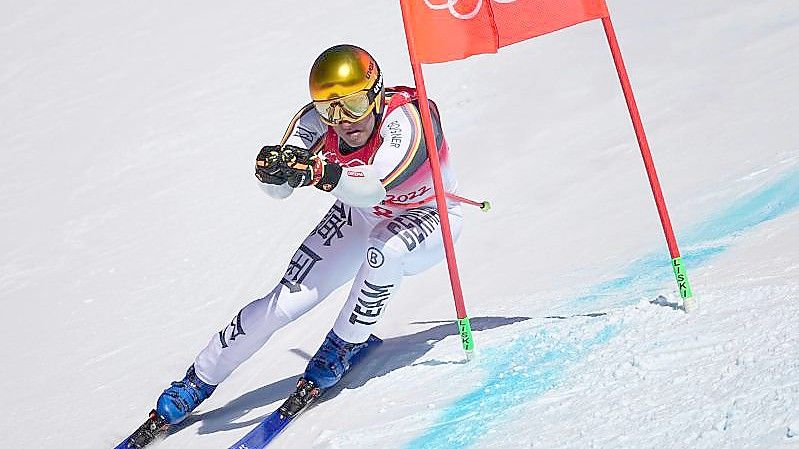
[525,369]
[532,364]
[706,240]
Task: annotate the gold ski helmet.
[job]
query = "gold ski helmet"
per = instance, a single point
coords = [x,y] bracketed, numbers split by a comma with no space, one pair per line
[346,84]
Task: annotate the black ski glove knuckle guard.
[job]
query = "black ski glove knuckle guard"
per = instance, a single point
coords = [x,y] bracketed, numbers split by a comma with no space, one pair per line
[292,155]
[296,166]
[268,157]
[269,165]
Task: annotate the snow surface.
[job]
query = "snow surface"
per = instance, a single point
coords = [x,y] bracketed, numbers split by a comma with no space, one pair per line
[133,229]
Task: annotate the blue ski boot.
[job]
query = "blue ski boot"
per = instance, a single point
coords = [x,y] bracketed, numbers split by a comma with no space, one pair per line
[331,361]
[180,399]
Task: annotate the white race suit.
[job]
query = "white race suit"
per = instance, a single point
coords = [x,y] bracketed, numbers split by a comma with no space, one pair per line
[375,247]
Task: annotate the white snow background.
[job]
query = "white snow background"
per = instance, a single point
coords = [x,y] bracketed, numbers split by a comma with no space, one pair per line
[133,228]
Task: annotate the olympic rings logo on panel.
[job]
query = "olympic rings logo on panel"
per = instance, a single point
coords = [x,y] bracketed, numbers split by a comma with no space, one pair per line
[452,4]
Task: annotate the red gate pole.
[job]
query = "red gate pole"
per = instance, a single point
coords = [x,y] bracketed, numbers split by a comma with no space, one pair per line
[689,302]
[464,326]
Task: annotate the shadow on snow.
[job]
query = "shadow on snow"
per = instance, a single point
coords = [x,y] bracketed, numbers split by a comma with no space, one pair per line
[393,354]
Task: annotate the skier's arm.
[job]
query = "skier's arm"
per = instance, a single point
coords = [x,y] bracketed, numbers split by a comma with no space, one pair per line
[356,186]
[304,131]
[401,154]
[359,186]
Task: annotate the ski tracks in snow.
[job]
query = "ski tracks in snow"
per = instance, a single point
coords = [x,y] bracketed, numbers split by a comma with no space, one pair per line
[725,377]
[519,363]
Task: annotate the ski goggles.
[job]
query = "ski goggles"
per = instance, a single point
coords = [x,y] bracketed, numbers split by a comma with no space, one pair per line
[349,108]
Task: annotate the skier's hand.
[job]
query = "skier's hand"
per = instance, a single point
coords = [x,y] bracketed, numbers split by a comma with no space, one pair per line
[269,166]
[302,168]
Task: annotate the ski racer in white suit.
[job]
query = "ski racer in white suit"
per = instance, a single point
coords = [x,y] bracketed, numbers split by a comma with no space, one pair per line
[364,144]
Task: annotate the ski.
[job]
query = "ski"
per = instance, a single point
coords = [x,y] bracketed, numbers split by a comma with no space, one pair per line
[155,428]
[260,436]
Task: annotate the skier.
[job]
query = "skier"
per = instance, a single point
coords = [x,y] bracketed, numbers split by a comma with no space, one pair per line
[363,144]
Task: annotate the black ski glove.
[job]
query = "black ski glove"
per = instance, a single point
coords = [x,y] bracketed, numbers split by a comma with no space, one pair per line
[304,168]
[269,166]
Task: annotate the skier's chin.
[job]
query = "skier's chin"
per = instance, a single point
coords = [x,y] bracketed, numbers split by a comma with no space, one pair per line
[355,138]
[356,134]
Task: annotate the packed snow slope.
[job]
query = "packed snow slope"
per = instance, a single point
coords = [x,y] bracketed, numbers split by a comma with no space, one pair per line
[133,229]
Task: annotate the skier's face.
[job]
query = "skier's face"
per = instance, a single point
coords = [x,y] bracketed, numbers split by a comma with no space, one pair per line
[356,134]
